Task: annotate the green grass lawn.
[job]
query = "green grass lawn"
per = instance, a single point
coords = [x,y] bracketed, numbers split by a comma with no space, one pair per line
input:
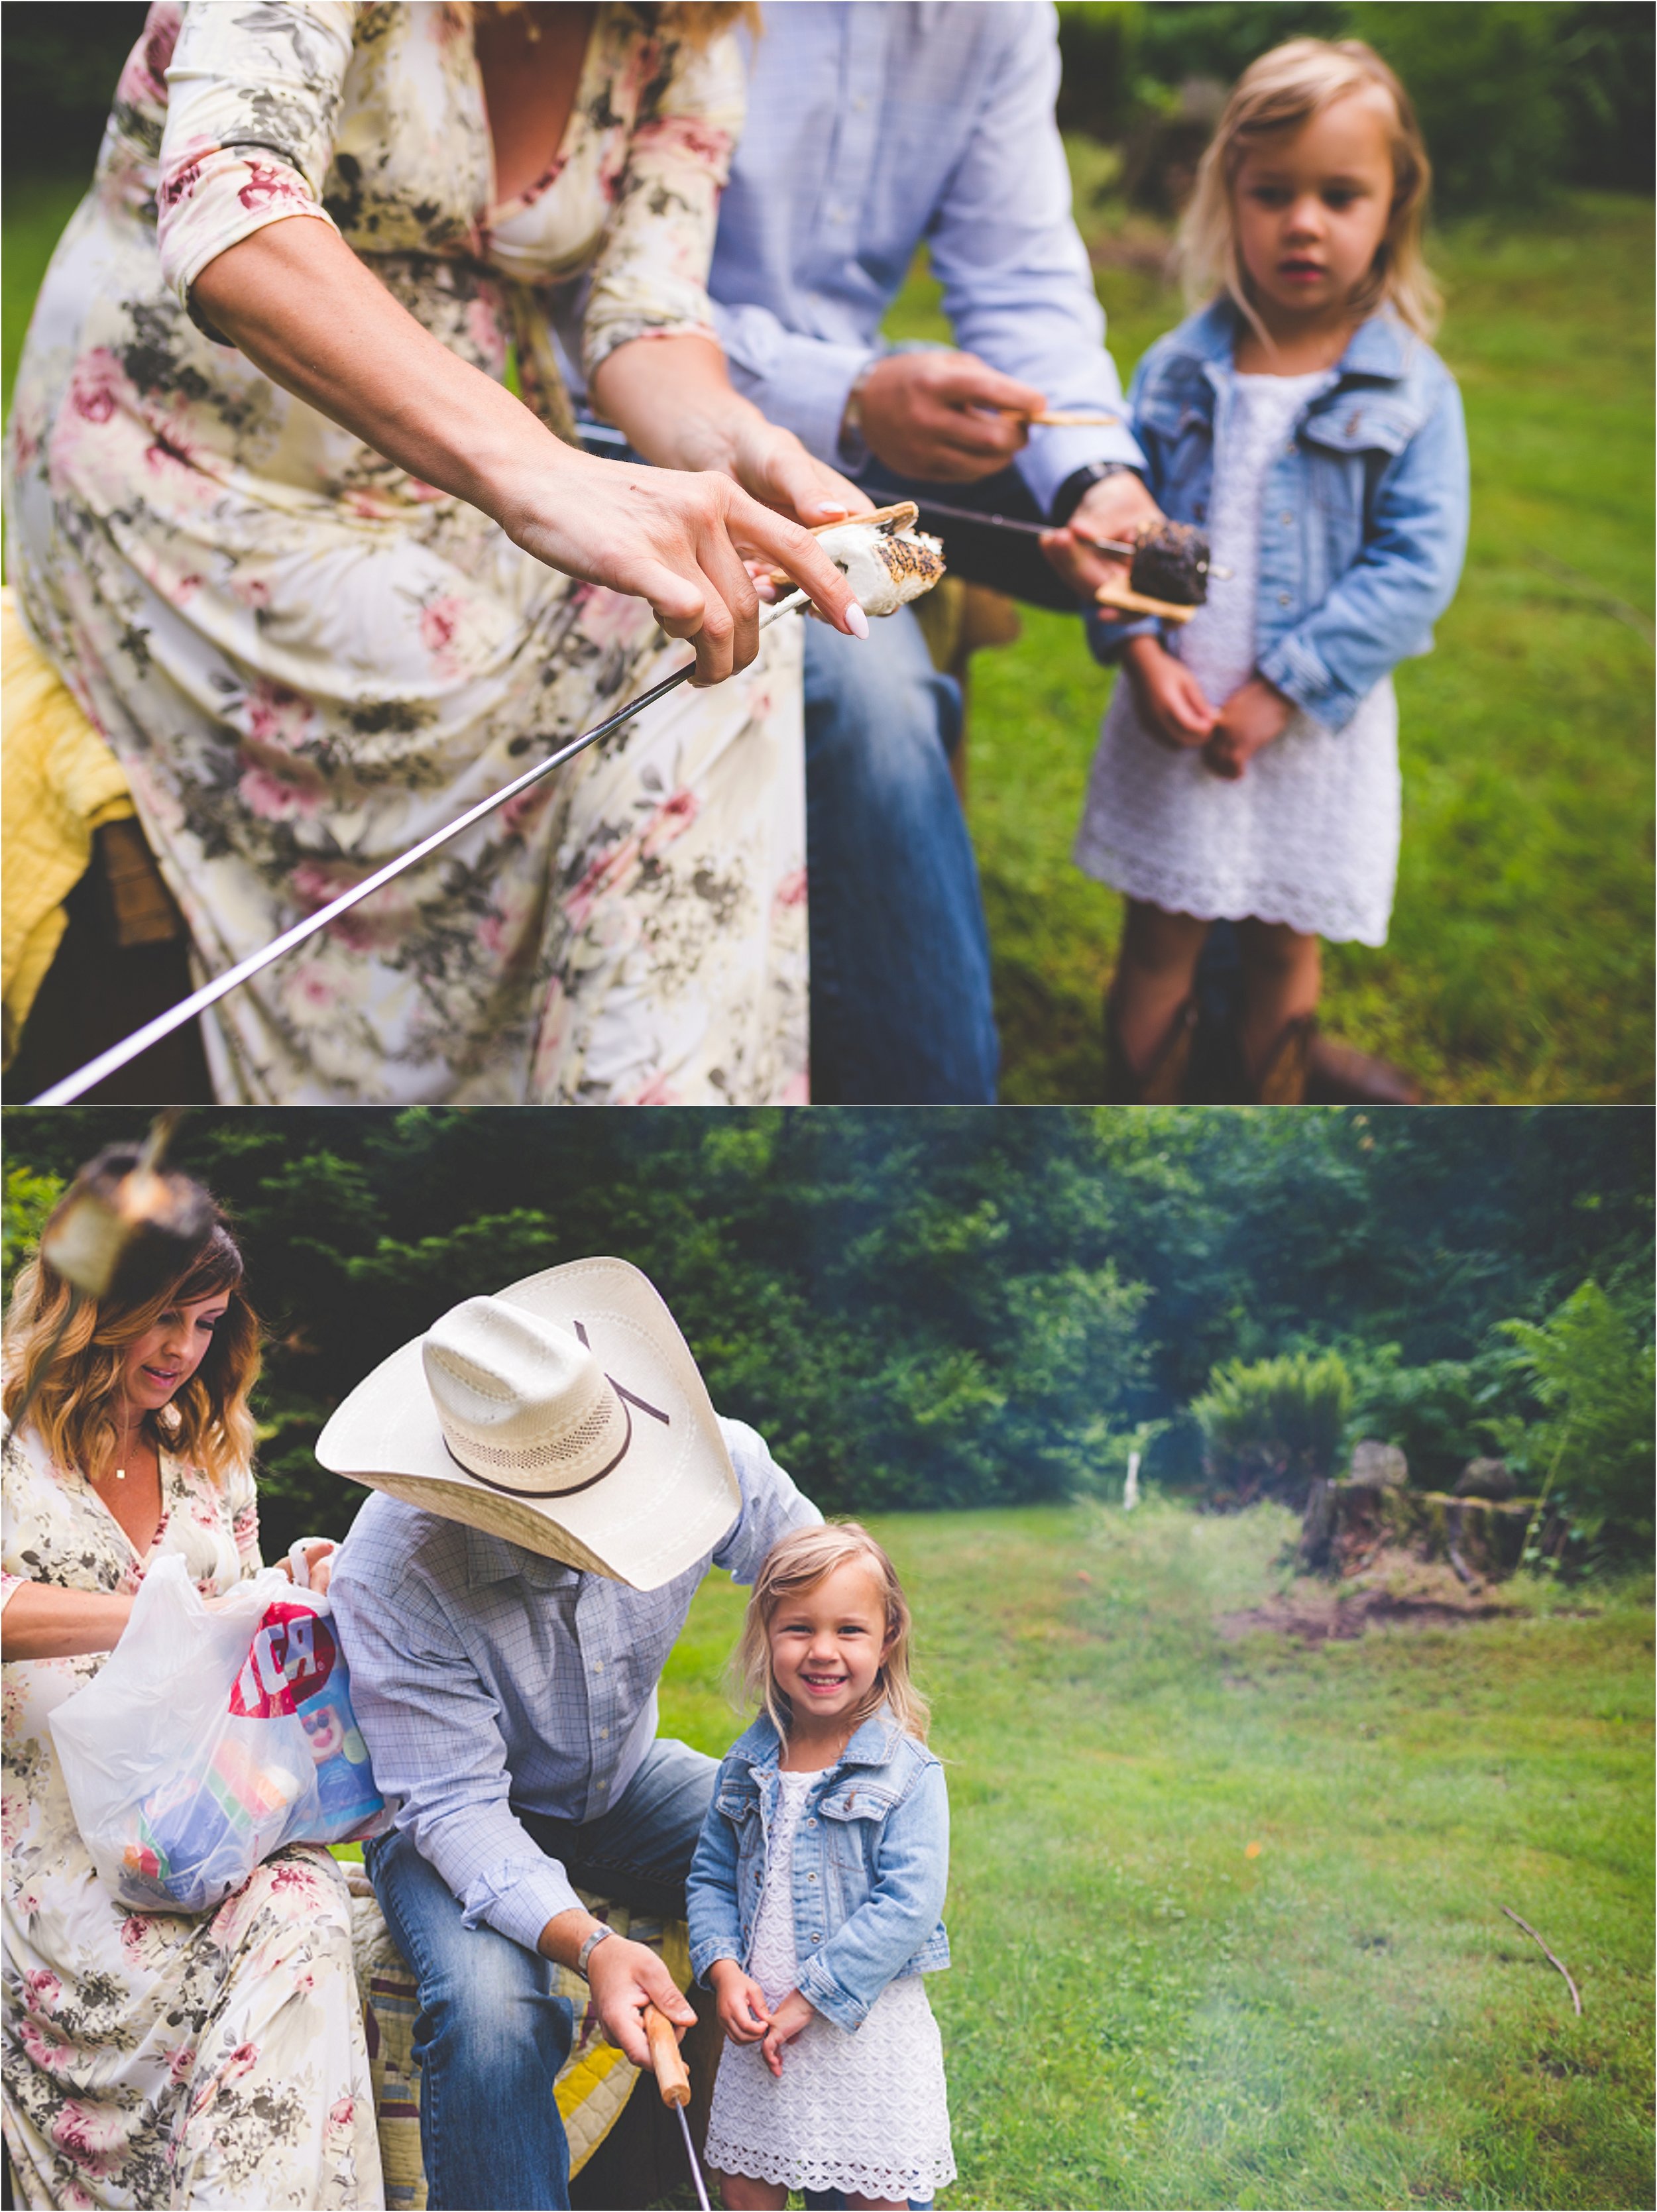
[1519,962]
[1142,2012]
[1519,967]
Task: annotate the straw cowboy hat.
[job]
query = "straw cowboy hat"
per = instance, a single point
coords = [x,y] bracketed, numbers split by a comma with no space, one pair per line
[564,1413]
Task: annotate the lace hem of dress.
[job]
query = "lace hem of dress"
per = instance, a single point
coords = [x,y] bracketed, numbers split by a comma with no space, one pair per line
[1317,909]
[788,2170]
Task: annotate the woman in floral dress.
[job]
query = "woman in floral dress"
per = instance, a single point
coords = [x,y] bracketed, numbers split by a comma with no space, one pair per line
[153,2059]
[324,582]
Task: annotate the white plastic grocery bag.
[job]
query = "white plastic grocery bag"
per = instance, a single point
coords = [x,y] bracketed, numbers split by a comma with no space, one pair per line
[188,1758]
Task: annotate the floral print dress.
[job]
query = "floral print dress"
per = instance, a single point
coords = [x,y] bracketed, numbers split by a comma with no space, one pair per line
[162,2059]
[306,660]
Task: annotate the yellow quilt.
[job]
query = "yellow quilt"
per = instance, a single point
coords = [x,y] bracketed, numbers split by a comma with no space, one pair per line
[58,782]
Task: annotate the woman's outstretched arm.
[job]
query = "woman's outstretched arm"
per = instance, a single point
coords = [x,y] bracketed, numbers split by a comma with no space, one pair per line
[42,1621]
[301,305]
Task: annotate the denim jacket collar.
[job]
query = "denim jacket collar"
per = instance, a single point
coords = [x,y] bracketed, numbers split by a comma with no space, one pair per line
[1380,347]
[871,1745]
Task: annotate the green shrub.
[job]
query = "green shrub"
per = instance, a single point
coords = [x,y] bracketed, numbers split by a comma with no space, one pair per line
[27,1199]
[1441,1413]
[1590,1364]
[1270,1426]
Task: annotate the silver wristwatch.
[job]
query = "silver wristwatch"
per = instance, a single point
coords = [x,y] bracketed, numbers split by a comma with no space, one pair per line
[586,1950]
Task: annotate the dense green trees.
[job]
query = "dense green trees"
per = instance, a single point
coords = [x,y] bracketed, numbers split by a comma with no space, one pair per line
[931,1308]
[1515,97]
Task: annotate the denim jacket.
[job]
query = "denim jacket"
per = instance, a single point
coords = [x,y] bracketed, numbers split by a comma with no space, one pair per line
[1363,516]
[871,1863]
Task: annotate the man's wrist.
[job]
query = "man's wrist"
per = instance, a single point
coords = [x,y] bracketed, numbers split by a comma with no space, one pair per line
[588,1947]
[1077,485]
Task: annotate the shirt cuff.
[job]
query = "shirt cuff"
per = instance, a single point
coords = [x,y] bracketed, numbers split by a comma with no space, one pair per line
[1301,675]
[819,1987]
[1053,455]
[1106,638]
[518,1897]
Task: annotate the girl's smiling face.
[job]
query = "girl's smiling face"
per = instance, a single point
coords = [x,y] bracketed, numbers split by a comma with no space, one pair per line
[1312,208]
[827,1644]
[160,1362]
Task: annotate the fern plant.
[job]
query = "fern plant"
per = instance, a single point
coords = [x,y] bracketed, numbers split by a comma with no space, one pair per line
[1270,1426]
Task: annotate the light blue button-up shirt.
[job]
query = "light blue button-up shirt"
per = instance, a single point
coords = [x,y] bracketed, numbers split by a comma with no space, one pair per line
[871,127]
[485,1676]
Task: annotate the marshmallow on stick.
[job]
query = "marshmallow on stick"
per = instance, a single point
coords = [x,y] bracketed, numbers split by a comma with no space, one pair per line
[884,559]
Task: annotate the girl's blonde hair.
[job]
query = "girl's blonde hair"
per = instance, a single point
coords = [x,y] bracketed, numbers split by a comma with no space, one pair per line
[797,1563]
[74,1411]
[1281,91]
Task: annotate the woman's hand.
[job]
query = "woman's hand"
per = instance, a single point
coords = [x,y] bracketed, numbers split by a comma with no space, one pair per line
[681,541]
[1256,713]
[791,2015]
[772,466]
[319,1564]
[743,2013]
[1169,696]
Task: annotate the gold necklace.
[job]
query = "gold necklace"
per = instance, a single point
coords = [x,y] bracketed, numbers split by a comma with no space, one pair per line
[126,1450]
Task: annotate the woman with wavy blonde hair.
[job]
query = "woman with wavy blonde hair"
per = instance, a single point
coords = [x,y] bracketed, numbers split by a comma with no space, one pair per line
[159,2059]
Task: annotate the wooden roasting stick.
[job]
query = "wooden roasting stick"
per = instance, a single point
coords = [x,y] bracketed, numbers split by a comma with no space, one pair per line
[673,2076]
[1135,602]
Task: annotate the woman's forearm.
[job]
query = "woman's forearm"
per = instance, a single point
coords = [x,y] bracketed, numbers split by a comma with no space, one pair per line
[301,305]
[43,1622]
[705,423]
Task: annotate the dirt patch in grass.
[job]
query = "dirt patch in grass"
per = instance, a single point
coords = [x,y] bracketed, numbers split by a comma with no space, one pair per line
[1395,1591]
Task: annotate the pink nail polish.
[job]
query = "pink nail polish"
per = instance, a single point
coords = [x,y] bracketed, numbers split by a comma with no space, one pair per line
[857,620]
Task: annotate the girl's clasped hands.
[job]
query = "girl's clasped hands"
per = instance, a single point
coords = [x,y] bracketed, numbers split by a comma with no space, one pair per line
[747,2018]
[1177,709]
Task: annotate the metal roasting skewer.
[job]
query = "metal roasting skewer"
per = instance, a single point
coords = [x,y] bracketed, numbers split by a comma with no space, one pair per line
[1124,546]
[73,1086]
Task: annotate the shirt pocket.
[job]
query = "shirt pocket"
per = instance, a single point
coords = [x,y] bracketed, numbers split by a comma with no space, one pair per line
[1360,422]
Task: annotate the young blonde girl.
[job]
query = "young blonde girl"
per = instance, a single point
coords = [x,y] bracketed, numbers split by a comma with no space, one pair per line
[1248,768]
[816,1893]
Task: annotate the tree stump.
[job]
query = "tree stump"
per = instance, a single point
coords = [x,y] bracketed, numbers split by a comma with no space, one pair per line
[1346,1524]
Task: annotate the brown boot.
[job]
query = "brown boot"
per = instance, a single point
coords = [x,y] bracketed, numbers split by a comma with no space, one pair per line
[1340,1075]
[1282,1081]
[1163,1083]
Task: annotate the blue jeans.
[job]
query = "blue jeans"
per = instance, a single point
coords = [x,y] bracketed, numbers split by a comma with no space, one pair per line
[900,1007]
[491,2036]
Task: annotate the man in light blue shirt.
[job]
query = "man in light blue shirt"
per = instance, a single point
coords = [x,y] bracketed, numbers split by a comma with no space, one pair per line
[508,1699]
[871,129]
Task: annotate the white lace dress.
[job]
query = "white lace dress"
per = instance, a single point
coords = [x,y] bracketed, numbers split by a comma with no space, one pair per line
[866,2113]
[1309,834]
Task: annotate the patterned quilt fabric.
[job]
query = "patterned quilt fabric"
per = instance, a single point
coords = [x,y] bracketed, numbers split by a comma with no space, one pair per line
[306,660]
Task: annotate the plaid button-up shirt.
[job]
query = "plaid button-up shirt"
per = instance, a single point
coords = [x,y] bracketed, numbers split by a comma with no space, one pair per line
[485,1676]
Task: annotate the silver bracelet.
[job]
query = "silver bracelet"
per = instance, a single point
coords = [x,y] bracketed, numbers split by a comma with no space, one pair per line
[586,1950]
